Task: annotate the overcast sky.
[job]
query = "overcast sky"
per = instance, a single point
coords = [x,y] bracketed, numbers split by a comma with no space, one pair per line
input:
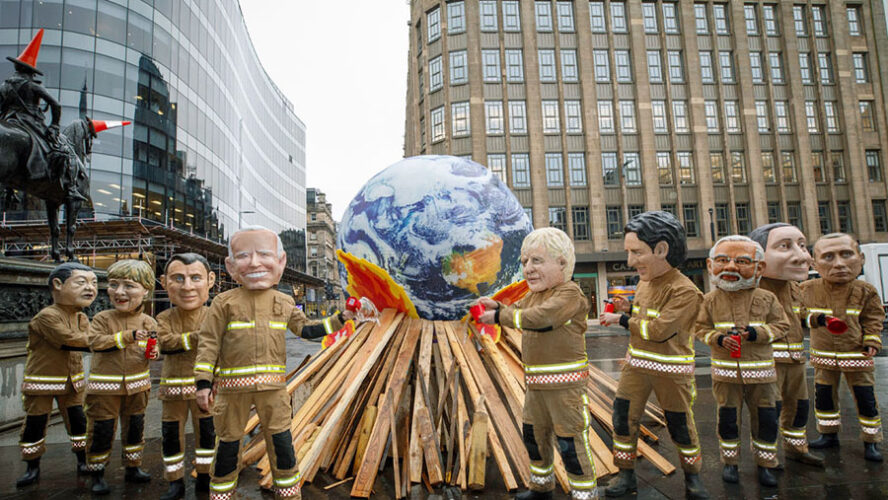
[343,65]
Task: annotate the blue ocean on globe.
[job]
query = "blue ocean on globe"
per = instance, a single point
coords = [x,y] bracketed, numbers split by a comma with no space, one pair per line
[444,228]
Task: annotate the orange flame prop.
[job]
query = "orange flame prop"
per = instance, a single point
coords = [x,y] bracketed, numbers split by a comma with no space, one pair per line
[366,279]
[343,333]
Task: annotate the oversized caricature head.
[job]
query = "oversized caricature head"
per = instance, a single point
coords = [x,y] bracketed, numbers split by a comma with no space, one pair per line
[837,258]
[130,282]
[735,263]
[655,243]
[73,284]
[786,251]
[256,258]
[188,280]
[548,258]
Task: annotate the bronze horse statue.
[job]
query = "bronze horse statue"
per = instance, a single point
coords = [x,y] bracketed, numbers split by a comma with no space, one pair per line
[56,188]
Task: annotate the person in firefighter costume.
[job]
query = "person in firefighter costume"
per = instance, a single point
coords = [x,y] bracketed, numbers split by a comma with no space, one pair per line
[739,322]
[243,350]
[838,296]
[188,280]
[118,379]
[552,317]
[660,357]
[54,370]
[786,263]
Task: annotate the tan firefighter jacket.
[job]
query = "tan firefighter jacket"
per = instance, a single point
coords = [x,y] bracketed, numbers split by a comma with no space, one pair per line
[661,327]
[177,336]
[858,304]
[553,346]
[53,334]
[790,348]
[243,339]
[118,364]
[723,311]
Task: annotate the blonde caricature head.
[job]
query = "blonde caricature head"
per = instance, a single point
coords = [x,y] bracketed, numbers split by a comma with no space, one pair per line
[131,269]
[556,243]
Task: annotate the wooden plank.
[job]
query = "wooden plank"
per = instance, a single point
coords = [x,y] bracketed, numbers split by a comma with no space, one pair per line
[430,450]
[395,465]
[478,451]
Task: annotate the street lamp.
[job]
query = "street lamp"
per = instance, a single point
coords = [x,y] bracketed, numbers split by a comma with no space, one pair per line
[711,226]
[242,212]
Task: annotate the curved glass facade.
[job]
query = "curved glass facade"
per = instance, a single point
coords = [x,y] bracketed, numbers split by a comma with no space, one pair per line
[214,142]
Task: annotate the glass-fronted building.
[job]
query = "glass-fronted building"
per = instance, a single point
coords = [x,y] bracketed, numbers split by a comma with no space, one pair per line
[214,143]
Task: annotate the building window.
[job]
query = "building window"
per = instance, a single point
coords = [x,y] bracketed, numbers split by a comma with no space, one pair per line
[433,22]
[710,108]
[490,61]
[422,133]
[543,16]
[706,72]
[769,14]
[547,65]
[438,124]
[861,71]
[811,117]
[511,16]
[720,14]
[618,17]
[488,16]
[623,66]
[755,62]
[768,167]
[742,211]
[722,221]
[669,207]
[520,170]
[680,117]
[676,71]
[609,169]
[554,170]
[781,109]
[788,165]
[853,13]
[670,18]
[817,166]
[751,19]
[717,167]
[573,120]
[819,15]
[824,63]
[627,117]
[551,122]
[514,65]
[774,212]
[614,222]
[606,117]
[873,166]
[635,210]
[880,219]
[700,20]
[436,79]
[458,73]
[569,72]
[824,216]
[459,112]
[658,112]
[837,159]
[738,168]
[580,217]
[867,120]
[576,165]
[649,14]
[556,218]
[761,116]
[805,68]
[596,17]
[602,66]
[725,61]
[664,168]
[655,72]
[565,17]
[798,17]
[732,117]
[686,168]
[497,165]
[517,117]
[493,111]
[832,118]
[794,215]
[632,169]
[456,17]
[690,220]
[528,212]
[776,63]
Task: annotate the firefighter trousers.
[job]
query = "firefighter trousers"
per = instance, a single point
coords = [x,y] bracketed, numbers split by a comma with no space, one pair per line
[761,401]
[230,414]
[175,414]
[792,406]
[826,402]
[676,396]
[560,418]
[37,410]
[102,412]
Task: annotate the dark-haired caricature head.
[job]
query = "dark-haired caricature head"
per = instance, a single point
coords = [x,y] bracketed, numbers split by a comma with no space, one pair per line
[655,242]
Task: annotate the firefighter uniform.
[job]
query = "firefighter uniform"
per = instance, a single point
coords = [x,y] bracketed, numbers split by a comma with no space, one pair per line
[177,335]
[789,358]
[553,349]
[54,371]
[858,304]
[751,378]
[117,388]
[243,350]
[660,358]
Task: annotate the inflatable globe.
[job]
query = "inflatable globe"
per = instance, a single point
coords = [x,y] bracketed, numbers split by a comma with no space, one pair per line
[444,229]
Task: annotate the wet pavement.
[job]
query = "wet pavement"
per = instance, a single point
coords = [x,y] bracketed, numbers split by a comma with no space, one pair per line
[846,476]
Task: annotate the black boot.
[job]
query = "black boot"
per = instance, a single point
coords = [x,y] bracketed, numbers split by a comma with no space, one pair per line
[135,475]
[807,458]
[203,483]
[33,474]
[534,495]
[99,486]
[830,440]
[730,474]
[624,483]
[82,469]
[694,489]
[766,477]
[175,491]
[871,452]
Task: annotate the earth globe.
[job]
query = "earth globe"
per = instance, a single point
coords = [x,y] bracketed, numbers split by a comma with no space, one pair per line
[445,229]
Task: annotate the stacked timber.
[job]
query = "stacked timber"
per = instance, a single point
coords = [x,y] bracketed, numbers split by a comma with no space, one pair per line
[435,397]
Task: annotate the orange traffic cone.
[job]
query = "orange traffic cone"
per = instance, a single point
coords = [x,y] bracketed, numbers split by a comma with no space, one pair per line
[28,57]
[100,125]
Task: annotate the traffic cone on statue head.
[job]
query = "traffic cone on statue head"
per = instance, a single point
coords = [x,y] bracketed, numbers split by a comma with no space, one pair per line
[100,125]
[28,58]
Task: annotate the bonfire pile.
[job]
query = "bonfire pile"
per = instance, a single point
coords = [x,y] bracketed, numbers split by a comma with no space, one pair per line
[434,396]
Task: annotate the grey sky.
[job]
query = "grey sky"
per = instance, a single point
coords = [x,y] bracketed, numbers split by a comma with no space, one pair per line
[343,65]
